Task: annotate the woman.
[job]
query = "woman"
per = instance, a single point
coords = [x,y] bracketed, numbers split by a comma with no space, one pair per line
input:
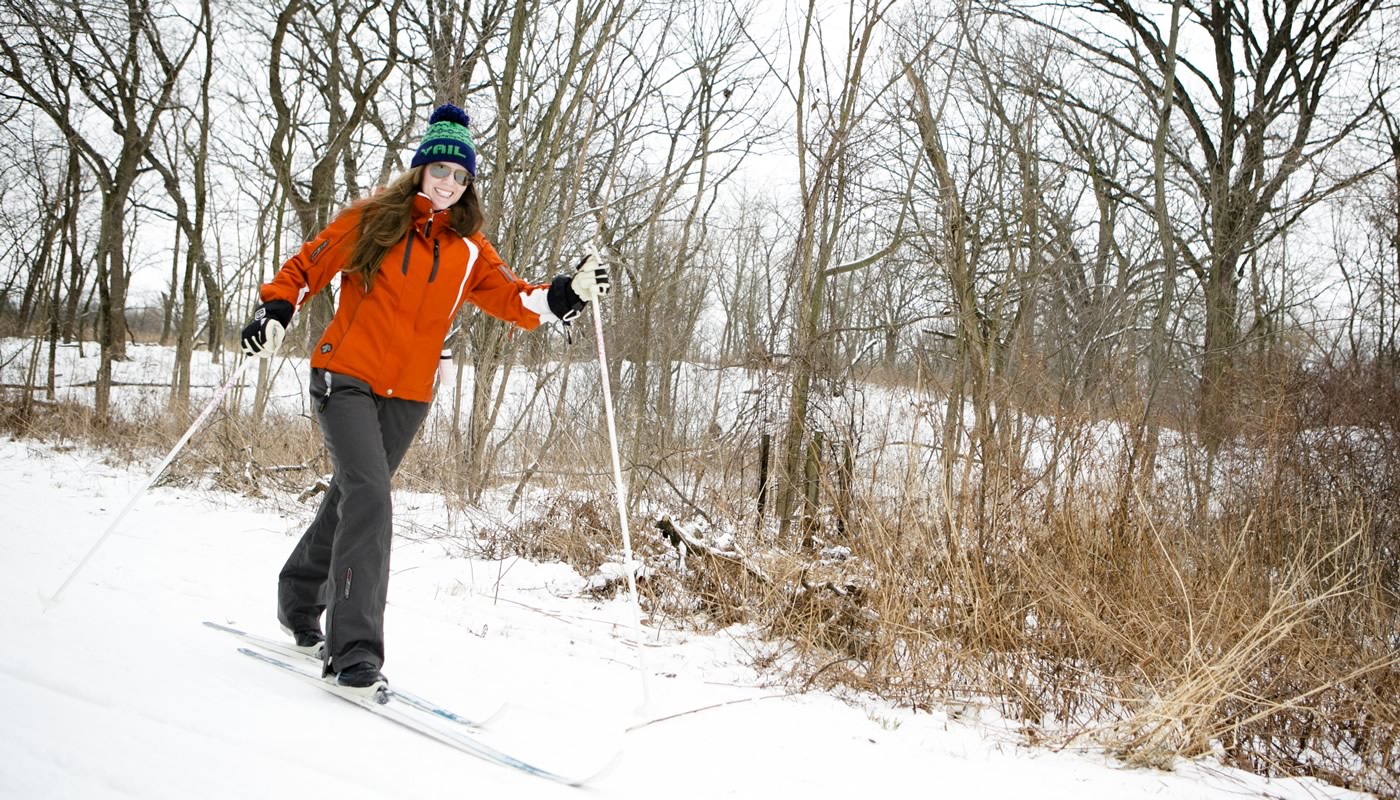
[408,258]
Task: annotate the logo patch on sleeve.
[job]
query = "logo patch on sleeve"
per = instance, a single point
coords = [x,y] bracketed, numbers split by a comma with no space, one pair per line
[325,348]
[317,252]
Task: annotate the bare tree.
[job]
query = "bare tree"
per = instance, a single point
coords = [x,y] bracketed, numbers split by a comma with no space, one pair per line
[1252,105]
[1370,262]
[828,106]
[177,161]
[701,135]
[457,43]
[105,54]
[533,157]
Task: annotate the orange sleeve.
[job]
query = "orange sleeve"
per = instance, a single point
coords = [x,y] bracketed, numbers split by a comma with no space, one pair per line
[316,263]
[498,291]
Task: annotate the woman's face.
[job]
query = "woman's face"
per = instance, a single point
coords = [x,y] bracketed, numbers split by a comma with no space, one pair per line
[444,182]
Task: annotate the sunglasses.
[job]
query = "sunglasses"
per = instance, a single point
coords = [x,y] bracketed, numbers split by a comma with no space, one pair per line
[440,171]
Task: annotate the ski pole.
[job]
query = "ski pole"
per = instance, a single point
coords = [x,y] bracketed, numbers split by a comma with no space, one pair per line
[50,601]
[628,565]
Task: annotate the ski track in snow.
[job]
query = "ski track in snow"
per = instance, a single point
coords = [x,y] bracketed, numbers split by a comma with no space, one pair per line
[118,691]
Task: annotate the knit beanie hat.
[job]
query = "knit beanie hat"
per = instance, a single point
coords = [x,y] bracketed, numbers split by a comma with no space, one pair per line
[447,139]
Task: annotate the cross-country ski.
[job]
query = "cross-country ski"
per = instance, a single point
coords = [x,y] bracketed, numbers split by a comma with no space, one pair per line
[387,704]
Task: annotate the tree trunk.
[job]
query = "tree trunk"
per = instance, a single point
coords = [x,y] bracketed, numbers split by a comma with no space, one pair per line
[167,316]
[111,266]
[1221,335]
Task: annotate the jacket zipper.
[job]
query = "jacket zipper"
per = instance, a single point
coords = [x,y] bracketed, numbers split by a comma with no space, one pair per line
[407,249]
[433,275]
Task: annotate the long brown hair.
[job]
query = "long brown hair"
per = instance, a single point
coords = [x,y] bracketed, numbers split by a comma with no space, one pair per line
[387,214]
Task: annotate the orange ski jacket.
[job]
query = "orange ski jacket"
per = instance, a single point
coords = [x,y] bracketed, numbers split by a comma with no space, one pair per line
[391,337]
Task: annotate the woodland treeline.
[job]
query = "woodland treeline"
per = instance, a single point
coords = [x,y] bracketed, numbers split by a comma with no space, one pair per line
[1108,206]
[1181,218]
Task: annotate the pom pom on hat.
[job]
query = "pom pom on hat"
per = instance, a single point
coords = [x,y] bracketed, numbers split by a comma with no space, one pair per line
[447,139]
[450,113]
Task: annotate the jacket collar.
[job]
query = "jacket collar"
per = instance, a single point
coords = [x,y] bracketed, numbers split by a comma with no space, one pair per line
[423,213]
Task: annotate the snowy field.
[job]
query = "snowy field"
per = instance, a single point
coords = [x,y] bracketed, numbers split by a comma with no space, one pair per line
[118,691]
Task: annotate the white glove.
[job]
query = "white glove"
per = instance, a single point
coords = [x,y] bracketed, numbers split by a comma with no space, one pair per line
[273,333]
[590,281]
[264,333]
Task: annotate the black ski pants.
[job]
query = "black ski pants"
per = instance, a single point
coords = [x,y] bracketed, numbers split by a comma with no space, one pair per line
[341,564]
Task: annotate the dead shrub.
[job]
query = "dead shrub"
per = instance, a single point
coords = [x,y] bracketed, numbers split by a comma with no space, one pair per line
[569,530]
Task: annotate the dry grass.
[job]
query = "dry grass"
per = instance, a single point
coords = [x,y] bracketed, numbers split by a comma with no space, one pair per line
[569,530]
[1277,652]
[1247,607]
[1265,631]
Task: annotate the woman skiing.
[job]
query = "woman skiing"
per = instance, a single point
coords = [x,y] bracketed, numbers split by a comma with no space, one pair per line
[409,256]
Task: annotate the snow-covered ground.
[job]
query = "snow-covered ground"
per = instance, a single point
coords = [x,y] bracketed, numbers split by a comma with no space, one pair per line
[118,691]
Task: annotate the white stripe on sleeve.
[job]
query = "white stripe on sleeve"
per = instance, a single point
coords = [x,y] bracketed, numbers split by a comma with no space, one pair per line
[537,300]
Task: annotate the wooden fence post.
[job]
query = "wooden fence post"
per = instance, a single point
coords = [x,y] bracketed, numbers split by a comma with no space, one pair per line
[765,444]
